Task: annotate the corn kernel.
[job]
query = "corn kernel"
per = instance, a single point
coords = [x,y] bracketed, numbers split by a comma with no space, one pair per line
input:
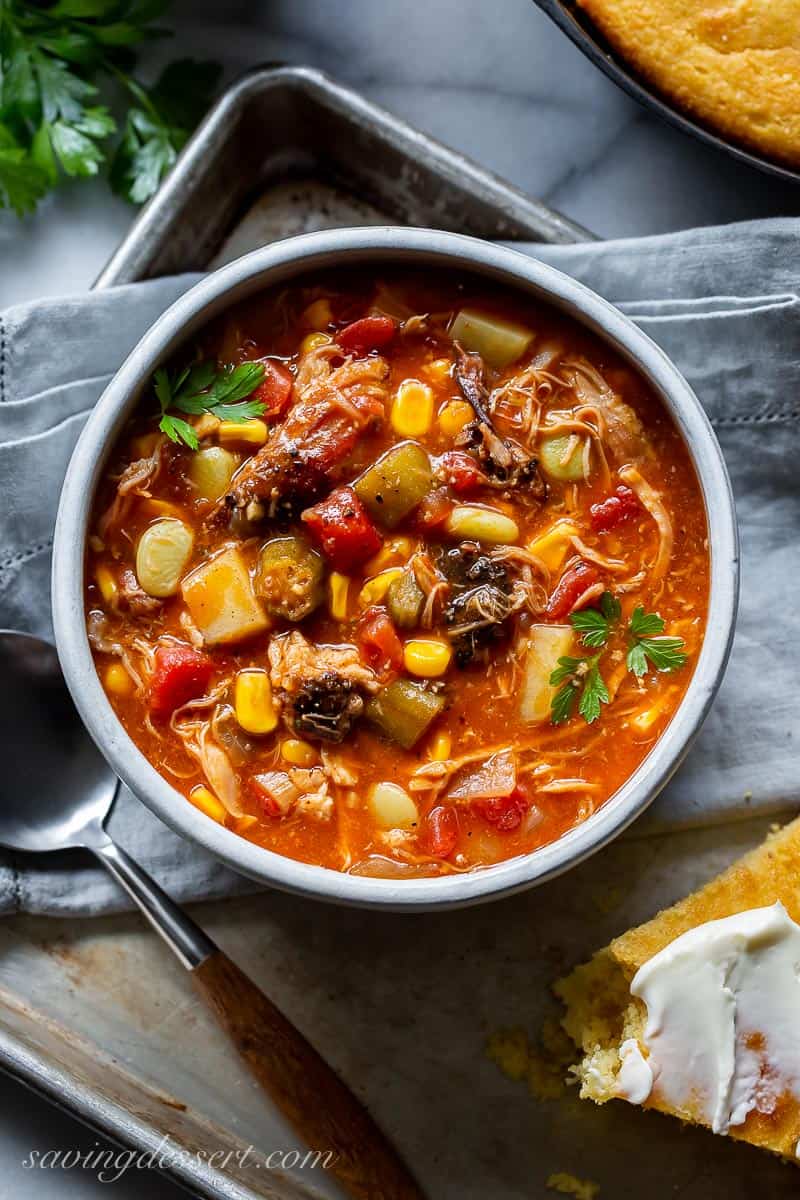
[441,747]
[482,524]
[255,709]
[552,545]
[107,582]
[376,588]
[117,680]
[438,370]
[398,549]
[144,445]
[427,657]
[412,409]
[338,595]
[313,341]
[252,432]
[454,416]
[298,753]
[243,824]
[318,315]
[208,803]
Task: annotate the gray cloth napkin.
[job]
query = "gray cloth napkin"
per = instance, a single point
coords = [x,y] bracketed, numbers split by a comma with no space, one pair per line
[722,302]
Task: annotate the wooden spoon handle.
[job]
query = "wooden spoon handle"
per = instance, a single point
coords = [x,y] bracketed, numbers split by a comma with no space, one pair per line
[321,1109]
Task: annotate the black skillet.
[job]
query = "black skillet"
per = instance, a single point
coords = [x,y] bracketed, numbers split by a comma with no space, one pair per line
[579,29]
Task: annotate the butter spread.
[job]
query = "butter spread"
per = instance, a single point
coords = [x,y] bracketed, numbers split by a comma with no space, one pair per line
[635,1077]
[722,1034]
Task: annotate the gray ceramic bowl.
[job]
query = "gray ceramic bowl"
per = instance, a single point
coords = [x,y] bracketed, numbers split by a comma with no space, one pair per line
[276,264]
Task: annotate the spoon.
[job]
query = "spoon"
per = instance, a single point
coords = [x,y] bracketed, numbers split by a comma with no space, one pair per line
[56,792]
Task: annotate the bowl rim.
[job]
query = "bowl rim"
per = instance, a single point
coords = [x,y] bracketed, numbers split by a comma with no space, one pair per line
[344,247]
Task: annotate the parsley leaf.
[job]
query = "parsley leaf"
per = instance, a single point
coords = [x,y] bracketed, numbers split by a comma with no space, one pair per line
[663,653]
[594,694]
[205,388]
[23,182]
[577,675]
[52,57]
[562,704]
[159,125]
[593,624]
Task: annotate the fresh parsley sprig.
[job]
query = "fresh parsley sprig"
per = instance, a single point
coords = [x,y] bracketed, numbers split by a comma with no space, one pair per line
[663,653]
[580,677]
[206,388]
[594,625]
[51,61]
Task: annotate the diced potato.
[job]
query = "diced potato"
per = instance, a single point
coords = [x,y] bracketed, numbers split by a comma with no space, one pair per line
[551,547]
[497,341]
[552,460]
[221,601]
[162,554]
[546,645]
[211,470]
[392,807]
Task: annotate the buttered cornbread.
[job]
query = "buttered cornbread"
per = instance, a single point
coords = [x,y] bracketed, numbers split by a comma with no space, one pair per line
[734,64]
[697,1012]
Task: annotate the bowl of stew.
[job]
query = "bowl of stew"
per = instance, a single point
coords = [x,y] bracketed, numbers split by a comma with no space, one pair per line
[395,568]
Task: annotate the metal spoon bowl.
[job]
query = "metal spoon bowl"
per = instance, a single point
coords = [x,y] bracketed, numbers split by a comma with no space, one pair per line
[56,791]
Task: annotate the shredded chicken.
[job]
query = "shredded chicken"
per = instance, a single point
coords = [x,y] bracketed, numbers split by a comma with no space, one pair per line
[333,407]
[132,597]
[135,480]
[624,431]
[340,772]
[651,500]
[294,661]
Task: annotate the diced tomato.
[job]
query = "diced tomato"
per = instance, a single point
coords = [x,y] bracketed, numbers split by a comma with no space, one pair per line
[275,389]
[181,673]
[439,831]
[378,643]
[343,529]
[370,333]
[570,588]
[505,812]
[615,509]
[460,471]
[433,511]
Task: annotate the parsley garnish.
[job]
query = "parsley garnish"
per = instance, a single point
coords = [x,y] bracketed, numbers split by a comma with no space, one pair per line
[594,625]
[51,61]
[206,388]
[580,676]
[664,653]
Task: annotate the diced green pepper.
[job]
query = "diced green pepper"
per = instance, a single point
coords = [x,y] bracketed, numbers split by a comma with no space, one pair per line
[395,484]
[404,599]
[497,341]
[404,710]
[289,578]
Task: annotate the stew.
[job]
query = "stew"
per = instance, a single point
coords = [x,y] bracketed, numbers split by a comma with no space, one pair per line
[397,576]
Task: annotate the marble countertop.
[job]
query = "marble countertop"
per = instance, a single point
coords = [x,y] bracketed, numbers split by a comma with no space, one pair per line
[495,80]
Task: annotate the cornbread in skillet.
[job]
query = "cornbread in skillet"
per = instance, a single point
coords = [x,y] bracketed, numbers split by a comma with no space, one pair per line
[602,1014]
[734,64]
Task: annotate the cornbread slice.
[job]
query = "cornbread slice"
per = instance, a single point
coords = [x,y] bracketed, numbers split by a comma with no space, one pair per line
[601,1014]
[734,64]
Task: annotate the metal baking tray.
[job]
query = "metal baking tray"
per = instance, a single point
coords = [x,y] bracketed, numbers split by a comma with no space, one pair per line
[580,29]
[289,125]
[98,1017]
